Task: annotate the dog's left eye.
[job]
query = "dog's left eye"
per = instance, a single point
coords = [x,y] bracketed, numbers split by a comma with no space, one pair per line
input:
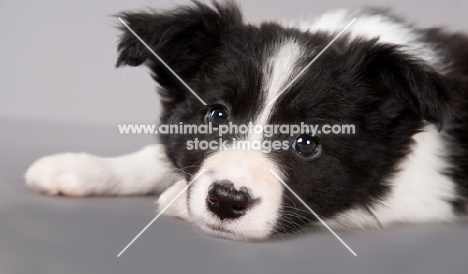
[306,145]
[218,116]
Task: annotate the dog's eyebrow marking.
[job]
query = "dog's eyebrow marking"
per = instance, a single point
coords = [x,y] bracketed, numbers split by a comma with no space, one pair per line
[162,61]
[311,62]
[313,212]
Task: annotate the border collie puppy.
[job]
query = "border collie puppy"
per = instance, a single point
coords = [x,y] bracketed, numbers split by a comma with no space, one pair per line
[404,89]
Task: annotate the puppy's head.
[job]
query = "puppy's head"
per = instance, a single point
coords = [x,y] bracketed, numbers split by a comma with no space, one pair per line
[238,69]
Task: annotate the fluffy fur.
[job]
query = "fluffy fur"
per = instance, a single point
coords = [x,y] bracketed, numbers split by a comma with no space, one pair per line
[402,87]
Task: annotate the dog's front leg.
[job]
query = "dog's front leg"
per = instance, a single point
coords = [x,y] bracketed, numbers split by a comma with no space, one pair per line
[80,174]
[179,208]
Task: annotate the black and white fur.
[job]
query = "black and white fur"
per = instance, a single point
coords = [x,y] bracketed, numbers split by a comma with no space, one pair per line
[404,89]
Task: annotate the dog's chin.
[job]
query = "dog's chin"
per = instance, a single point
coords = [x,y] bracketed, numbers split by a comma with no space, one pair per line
[232,232]
[221,232]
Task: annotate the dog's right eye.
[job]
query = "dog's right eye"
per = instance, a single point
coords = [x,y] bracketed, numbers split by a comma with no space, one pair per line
[306,145]
[218,116]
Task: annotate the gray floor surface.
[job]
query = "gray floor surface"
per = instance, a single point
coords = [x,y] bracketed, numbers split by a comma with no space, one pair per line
[40,234]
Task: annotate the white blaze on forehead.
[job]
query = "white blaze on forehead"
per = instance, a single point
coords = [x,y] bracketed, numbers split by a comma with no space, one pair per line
[278,70]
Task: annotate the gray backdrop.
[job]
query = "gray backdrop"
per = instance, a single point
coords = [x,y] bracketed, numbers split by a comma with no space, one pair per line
[59,91]
[57,57]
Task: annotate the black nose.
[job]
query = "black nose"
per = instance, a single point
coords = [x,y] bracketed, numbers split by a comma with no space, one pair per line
[227,202]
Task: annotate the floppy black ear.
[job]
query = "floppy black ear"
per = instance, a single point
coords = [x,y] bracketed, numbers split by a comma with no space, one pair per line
[181,37]
[404,82]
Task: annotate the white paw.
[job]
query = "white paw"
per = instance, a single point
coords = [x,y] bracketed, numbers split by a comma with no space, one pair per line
[68,174]
[179,207]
